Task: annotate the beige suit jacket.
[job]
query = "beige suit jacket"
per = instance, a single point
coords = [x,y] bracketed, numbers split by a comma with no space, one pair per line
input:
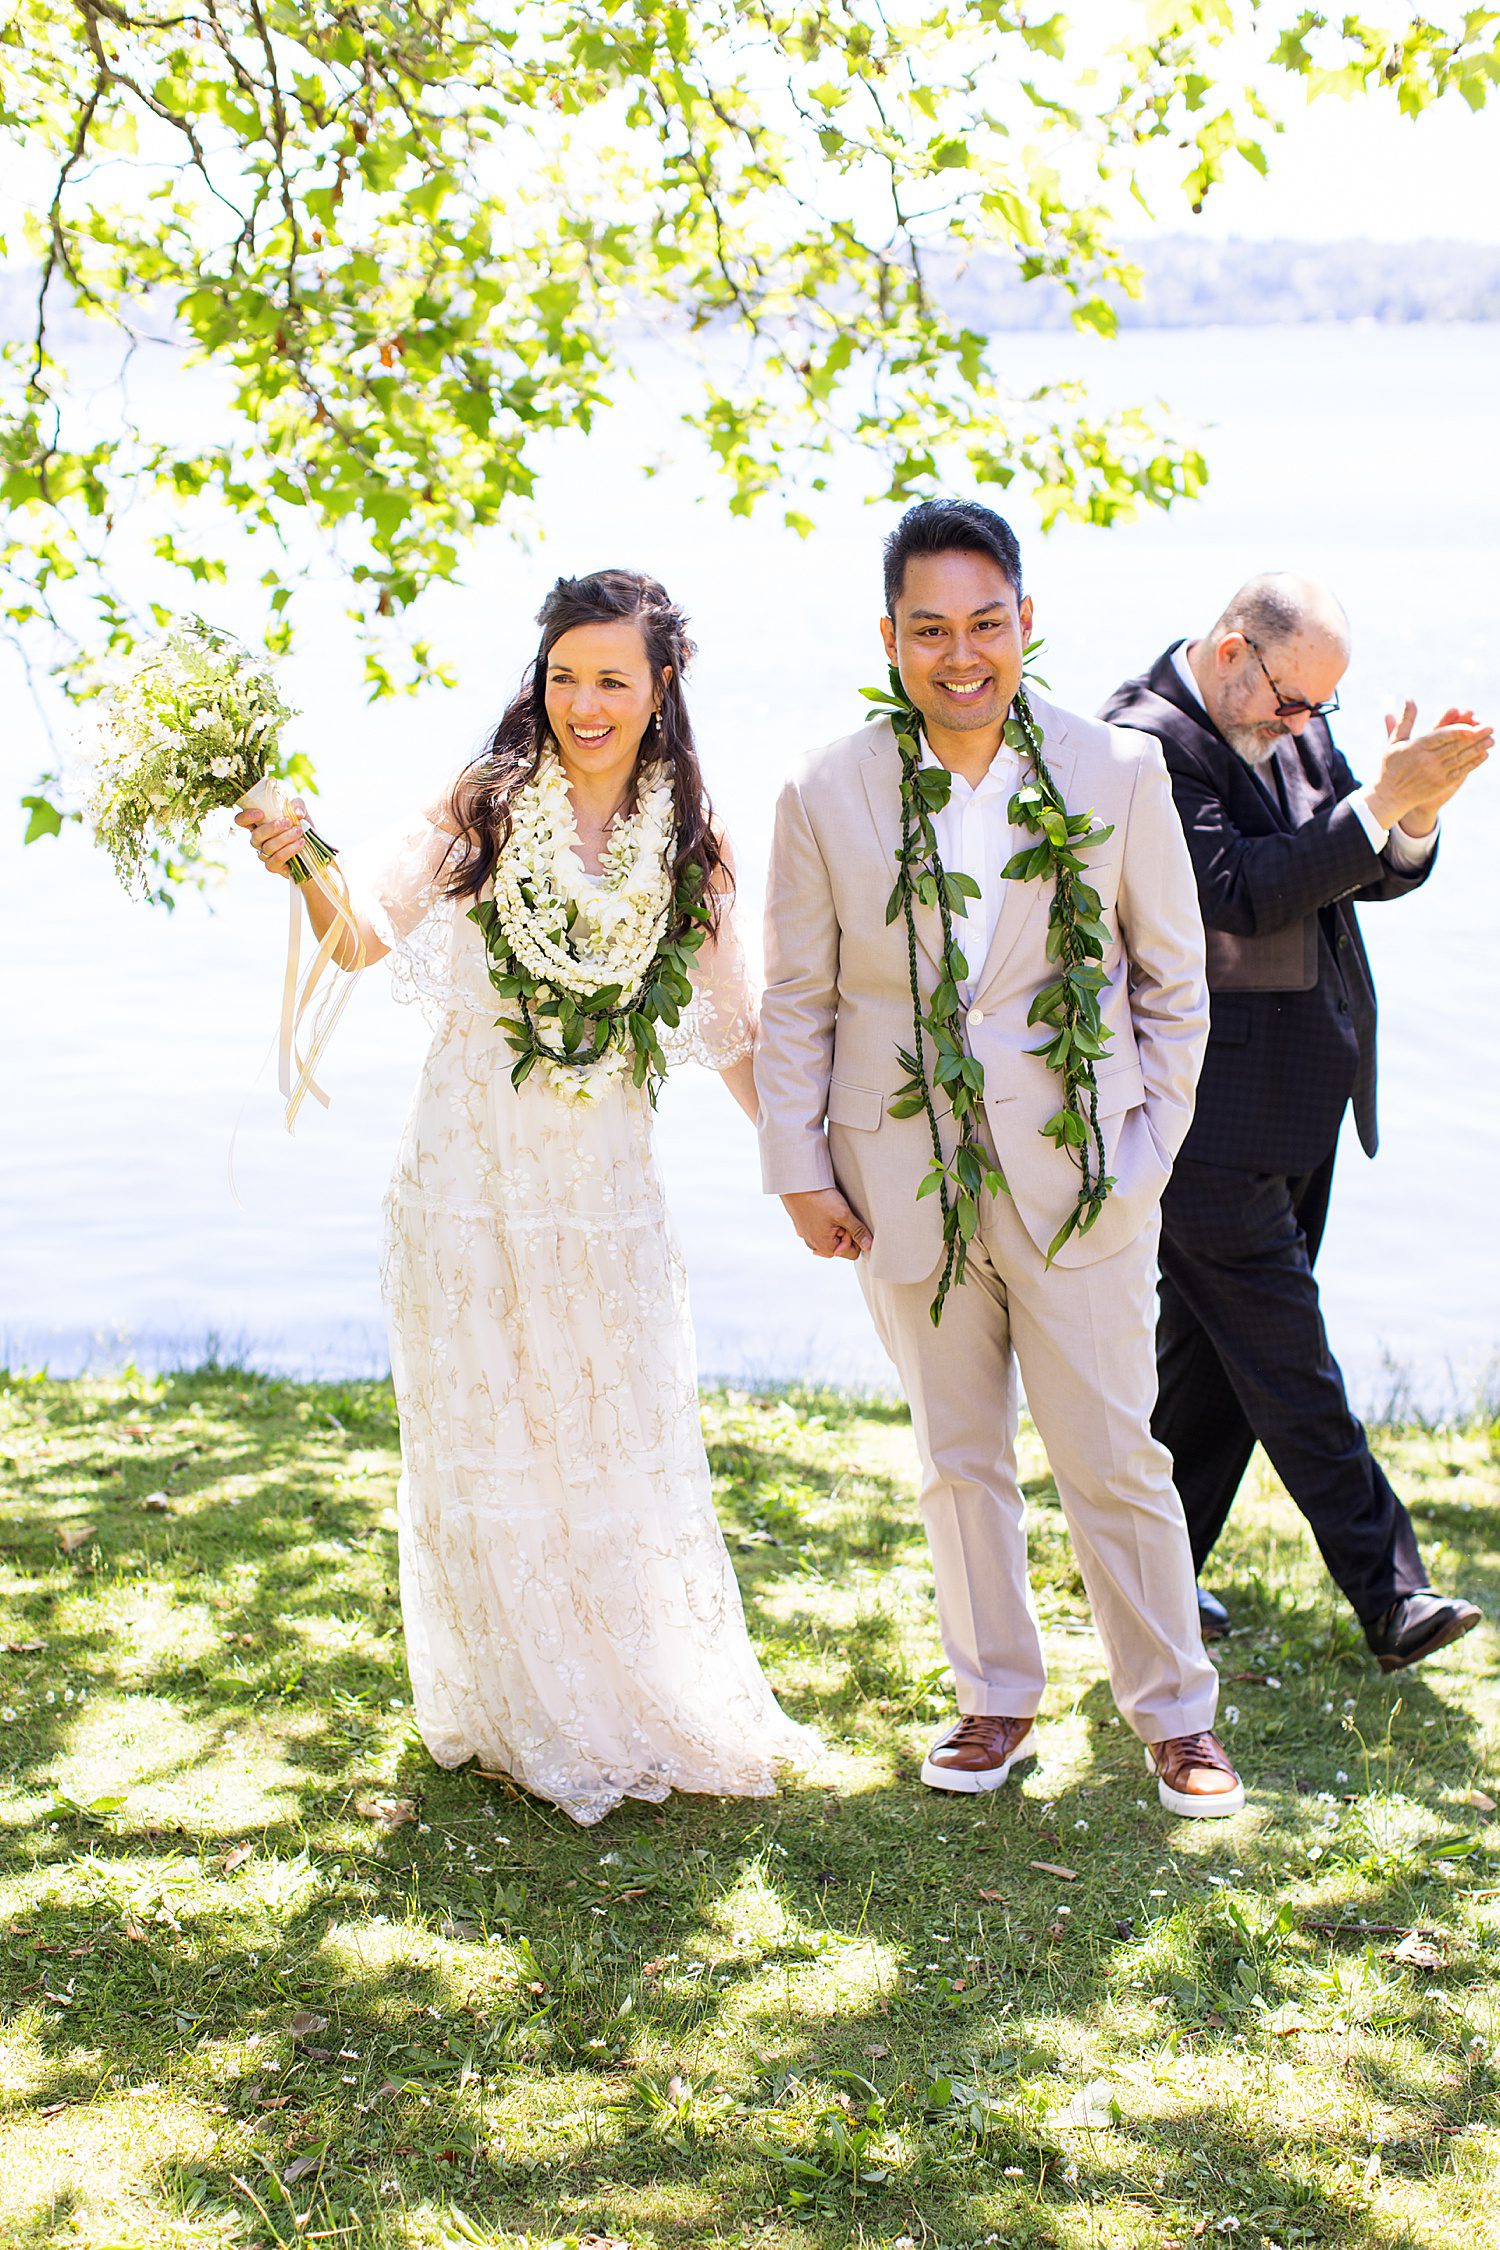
[838,1004]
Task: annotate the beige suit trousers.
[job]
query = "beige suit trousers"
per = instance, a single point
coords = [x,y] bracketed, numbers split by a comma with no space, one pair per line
[1084,1340]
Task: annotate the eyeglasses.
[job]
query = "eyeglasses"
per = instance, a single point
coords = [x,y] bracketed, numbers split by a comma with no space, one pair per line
[1291,706]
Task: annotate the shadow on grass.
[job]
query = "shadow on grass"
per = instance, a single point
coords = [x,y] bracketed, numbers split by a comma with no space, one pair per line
[828,2011]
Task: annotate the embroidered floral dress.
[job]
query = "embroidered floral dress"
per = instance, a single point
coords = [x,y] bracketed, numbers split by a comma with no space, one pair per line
[571,1614]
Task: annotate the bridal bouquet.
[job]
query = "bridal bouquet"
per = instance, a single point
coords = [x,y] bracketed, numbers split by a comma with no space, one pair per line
[192,727]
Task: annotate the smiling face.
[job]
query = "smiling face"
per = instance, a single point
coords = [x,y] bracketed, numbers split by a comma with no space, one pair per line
[957,639]
[600,698]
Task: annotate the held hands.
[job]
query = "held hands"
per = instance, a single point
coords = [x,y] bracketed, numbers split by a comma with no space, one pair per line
[1420,773]
[277,841]
[827,1224]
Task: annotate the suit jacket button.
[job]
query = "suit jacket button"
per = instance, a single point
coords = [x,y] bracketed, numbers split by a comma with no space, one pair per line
[976,1015]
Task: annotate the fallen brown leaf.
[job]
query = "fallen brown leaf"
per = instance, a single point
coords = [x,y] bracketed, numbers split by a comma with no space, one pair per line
[133,1930]
[300,2166]
[72,1536]
[24,1648]
[877,2054]
[995,1898]
[54,2109]
[464,1932]
[386,1812]
[1480,1800]
[236,1858]
[304,2023]
[274,2101]
[1050,1867]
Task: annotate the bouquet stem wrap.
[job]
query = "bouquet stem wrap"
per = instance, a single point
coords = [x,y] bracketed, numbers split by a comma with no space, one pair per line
[299,1053]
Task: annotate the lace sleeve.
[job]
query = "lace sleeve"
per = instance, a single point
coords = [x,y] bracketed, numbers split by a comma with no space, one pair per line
[718,1029]
[396,880]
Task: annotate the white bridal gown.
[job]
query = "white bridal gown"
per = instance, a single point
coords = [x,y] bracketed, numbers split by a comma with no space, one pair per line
[571,1614]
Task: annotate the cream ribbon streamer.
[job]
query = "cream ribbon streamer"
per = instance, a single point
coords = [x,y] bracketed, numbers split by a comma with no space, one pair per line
[297,1063]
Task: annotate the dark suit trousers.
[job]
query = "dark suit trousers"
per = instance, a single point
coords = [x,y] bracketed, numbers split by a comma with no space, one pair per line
[1242,1353]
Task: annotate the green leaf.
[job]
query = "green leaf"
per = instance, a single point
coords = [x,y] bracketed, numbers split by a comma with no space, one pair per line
[1063,1235]
[45,819]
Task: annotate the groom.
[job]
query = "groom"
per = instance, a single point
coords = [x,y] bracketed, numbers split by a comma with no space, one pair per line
[838,1008]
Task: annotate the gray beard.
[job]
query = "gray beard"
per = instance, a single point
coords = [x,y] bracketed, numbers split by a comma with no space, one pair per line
[1246,743]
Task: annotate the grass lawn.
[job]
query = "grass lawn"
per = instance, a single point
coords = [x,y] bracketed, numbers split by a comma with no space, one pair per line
[270,1976]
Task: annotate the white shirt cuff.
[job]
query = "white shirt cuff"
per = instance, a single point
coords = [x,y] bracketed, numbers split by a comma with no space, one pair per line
[1379,837]
[1405,853]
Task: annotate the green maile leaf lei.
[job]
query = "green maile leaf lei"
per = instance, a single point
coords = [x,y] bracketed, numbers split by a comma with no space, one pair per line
[588,1028]
[1069,1006]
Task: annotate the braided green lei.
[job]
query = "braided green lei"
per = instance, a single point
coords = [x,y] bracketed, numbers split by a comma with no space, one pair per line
[1069,1006]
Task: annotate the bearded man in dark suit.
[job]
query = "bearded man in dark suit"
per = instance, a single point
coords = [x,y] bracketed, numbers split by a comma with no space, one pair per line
[1284,841]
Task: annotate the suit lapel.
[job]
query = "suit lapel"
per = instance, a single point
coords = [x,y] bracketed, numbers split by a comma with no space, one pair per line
[880,771]
[1299,804]
[1195,726]
[1019,900]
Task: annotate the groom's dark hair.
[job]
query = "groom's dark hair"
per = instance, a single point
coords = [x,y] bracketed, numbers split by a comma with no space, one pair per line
[937,527]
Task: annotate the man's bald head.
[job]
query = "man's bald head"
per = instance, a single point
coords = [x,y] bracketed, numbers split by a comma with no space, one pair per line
[1279,608]
[1281,638]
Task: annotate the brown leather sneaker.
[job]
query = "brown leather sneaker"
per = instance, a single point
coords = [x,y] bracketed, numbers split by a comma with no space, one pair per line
[976,1754]
[1195,1778]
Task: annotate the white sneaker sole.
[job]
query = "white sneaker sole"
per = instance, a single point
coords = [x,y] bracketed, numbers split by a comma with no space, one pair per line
[972,1784]
[1189,1807]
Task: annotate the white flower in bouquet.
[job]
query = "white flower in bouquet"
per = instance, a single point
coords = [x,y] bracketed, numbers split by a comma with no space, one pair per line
[188,727]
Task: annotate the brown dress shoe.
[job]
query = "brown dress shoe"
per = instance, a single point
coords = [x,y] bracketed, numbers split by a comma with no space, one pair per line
[1195,1778]
[976,1754]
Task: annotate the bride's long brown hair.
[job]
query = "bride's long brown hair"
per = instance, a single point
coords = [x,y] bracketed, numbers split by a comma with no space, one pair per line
[486,789]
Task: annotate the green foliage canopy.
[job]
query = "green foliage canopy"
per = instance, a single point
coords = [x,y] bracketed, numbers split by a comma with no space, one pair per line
[412,236]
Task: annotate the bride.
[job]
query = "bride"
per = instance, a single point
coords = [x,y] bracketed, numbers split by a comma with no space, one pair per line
[571,1615]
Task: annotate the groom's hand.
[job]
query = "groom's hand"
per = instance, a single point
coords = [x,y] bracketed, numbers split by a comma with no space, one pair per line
[827,1224]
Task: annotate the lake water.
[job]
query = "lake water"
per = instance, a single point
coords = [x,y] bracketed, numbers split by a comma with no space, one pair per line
[1365,455]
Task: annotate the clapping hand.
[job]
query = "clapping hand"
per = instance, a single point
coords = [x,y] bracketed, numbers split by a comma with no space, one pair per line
[827,1224]
[1419,773]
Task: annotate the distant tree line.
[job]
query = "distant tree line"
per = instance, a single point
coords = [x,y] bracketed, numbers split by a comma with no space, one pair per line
[1190,282]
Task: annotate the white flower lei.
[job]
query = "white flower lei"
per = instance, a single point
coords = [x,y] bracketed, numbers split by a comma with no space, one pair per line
[577,932]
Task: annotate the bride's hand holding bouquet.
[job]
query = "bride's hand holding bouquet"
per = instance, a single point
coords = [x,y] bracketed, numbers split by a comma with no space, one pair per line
[192,727]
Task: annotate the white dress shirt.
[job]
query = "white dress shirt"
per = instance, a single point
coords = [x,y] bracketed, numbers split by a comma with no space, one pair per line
[974,838]
[1405,853]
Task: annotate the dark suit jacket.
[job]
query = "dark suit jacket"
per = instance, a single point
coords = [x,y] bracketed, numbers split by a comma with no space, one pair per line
[1280,858]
